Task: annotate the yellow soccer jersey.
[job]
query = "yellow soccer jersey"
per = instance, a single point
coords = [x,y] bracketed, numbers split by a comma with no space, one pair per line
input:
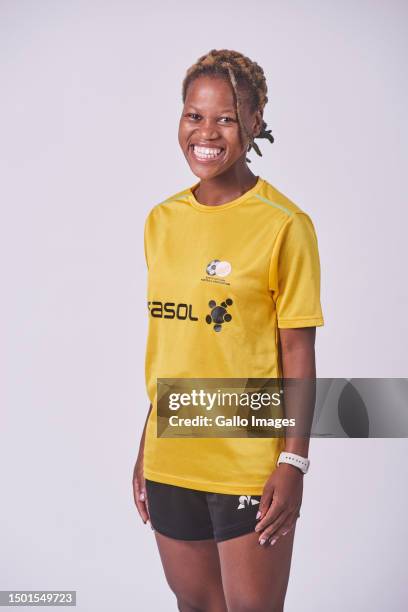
[260,253]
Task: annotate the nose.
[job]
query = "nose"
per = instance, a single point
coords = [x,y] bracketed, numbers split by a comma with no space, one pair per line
[208,130]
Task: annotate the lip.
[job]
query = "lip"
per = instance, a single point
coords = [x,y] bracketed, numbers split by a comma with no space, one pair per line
[204,161]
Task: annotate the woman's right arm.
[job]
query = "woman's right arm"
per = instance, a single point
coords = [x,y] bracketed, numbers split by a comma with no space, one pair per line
[139,483]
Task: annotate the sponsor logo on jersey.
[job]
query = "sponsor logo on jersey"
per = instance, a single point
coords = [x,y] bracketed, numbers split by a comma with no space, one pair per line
[216,270]
[171,310]
[219,314]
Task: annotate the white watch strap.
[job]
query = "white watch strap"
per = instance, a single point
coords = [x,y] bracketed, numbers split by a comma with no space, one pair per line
[297,460]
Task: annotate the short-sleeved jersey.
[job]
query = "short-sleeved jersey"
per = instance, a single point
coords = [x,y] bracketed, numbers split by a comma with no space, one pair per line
[258,256]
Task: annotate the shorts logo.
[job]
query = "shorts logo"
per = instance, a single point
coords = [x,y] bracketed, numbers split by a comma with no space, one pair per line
[218,268]
[219,314]
[245,501]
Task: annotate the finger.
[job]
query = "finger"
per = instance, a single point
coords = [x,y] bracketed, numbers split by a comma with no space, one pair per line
[290,524]
[272,531]
[275,510]
[287,528]
[139,487]
[140,503]
[264,504]
[144,498]
[141,507]
[282,532]
[136,490]
[147,510]
[139,495]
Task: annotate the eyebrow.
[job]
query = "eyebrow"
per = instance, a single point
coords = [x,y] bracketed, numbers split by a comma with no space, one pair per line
[225,110]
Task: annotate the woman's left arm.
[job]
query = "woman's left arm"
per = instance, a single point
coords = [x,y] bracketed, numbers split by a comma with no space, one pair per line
[283,491]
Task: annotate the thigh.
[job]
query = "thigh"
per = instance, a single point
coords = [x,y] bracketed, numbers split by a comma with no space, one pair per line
[255,577]
[185,538]
[192,570]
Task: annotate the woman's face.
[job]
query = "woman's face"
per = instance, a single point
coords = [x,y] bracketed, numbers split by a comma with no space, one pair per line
[209,133]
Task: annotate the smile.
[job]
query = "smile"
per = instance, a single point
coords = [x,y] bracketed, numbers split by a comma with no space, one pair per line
[204,154]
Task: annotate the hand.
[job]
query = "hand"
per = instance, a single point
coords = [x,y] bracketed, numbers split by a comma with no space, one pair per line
[280,503]
[139,489]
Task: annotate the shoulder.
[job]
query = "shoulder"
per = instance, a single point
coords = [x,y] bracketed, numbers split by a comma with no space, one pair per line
[283,211]
[169,203]
[277,202]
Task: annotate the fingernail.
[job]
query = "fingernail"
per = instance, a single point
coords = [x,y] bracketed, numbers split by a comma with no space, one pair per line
[148,523]
[141,497]
[273,541]
[258,515]
[285,532]
[257,528]
[262,541]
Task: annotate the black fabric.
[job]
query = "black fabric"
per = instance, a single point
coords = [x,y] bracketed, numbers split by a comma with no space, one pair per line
[187,514]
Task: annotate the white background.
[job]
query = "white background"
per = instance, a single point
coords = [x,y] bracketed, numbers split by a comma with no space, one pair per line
[89,108]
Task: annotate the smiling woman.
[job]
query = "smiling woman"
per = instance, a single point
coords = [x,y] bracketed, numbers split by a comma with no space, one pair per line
[248,88]
[206,134]
[224,95]
[244,258]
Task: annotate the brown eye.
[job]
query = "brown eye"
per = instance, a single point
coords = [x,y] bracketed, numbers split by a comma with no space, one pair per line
[193,116]
[229,119]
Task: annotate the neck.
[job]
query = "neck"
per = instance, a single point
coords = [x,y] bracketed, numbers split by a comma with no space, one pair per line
[225,187]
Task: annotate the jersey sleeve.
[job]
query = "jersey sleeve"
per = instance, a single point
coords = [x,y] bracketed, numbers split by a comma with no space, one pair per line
[294,274]
[144,243]
[146,237]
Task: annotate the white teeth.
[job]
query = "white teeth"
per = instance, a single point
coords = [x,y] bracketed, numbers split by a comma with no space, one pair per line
[206,152]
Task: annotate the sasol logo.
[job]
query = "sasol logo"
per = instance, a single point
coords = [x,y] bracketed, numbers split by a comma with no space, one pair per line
[171,310]
[219,314]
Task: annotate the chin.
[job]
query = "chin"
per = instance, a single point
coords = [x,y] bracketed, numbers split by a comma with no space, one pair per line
[206,174]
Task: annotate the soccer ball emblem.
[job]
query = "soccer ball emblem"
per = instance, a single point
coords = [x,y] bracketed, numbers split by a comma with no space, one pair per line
[212,267]
[219,268]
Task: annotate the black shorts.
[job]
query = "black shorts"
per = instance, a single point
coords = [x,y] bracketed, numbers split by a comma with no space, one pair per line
[187,514]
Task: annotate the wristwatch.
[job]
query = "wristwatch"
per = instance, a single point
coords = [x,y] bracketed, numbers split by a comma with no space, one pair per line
[300,462]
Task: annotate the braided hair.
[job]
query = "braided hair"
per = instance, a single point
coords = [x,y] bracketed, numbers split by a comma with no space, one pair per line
[244,75]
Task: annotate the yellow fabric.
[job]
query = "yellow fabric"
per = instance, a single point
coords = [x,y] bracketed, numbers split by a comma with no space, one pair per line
[274,283]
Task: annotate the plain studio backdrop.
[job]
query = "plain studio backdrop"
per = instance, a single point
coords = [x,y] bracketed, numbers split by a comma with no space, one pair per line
[90,102]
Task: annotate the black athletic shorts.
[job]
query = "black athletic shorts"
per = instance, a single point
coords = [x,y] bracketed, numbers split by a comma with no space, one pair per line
[187,514]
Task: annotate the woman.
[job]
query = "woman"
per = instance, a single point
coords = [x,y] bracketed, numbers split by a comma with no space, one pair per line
[242,260]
